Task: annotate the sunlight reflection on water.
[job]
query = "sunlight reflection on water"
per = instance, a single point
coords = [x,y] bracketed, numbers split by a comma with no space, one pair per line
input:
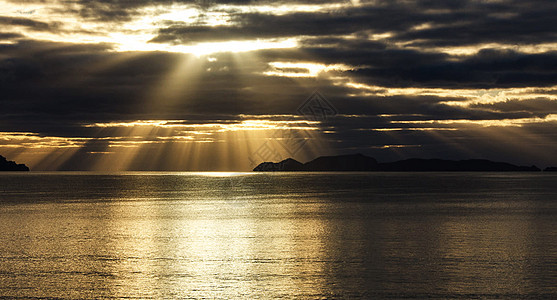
[277,235]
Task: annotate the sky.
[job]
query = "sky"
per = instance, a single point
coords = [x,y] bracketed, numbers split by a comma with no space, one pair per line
[111,85]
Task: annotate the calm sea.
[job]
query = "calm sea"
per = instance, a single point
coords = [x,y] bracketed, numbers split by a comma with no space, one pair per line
[295,235]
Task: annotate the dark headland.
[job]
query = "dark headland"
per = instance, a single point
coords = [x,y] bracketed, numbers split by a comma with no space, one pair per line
[6,165]
[360,162]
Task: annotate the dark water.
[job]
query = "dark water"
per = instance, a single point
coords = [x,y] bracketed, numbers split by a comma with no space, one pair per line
[210,235]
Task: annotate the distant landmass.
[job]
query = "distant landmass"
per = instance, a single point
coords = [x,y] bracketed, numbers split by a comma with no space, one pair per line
[550,169]
[360,162]
[6,165]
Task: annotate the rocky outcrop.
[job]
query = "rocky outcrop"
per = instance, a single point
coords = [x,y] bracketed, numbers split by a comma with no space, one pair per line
[285,165]
[6,165]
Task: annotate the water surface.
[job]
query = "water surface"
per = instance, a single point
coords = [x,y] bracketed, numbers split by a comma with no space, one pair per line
[294,235]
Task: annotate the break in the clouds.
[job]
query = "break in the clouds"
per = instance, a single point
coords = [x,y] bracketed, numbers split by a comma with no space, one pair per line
[218,85]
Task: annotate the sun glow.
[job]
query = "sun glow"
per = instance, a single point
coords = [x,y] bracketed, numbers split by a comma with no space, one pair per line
[208,128]
[233,46]
[141,42]
[135,34]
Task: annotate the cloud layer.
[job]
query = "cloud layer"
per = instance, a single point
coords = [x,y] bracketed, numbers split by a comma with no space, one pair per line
[85,81]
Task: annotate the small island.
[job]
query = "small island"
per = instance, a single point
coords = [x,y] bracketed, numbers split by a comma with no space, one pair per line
[6,165]
[360,162]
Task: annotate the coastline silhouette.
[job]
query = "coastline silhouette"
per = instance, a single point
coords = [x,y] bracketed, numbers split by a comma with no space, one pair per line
[7,165]
[360,162]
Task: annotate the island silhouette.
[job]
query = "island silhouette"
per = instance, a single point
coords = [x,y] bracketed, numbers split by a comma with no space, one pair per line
[360,162]
[7,165]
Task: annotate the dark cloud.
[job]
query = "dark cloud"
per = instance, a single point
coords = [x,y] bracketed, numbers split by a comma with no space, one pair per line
[29,23]
[61,83]
[515,24]
[380,65]
[451,23]
[264,25]
[534,106]
[9,35]
[488,69]
[455,23]
[259,25]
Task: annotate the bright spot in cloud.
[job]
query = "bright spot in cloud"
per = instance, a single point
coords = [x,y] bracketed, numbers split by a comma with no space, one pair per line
[213,127]
[295,69]
[233,46]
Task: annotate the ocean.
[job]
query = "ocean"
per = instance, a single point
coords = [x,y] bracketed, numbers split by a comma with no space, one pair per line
[278,235]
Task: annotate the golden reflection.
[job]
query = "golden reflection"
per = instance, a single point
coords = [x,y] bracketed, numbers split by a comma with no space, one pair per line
[413,129]
[221,174]
[167,235]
